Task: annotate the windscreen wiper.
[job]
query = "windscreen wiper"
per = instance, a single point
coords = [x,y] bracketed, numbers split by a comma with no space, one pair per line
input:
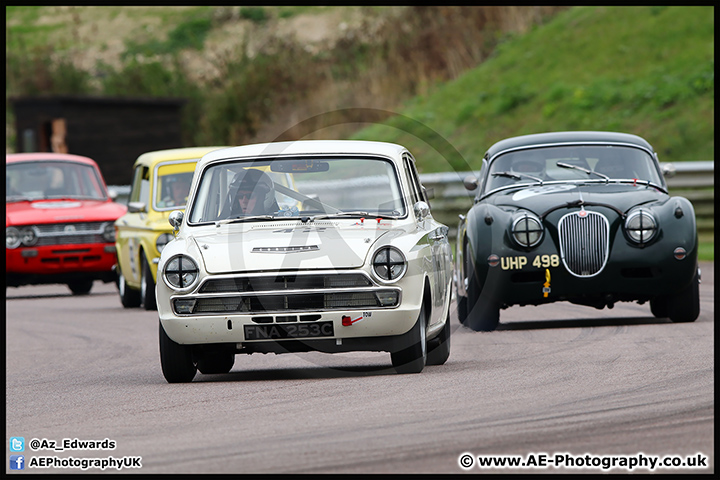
[243,219]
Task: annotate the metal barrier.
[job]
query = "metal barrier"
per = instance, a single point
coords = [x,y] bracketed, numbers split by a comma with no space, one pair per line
[449,198]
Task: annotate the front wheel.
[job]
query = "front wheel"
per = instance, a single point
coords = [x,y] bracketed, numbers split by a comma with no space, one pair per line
[147,287]
[483,312]
[128,297]
[439,347]
[176,360]
[80,287]
[216,362]
[684,306]
[412,358]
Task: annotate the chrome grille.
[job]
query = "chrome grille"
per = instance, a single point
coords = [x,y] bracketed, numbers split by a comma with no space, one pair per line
[584,242]
[70,233]
[294,302]
[284,282]
[290,292]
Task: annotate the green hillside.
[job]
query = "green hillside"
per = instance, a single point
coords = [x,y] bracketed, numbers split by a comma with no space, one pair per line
[642,70]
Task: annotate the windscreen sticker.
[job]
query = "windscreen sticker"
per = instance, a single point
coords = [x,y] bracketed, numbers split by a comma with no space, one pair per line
[541,190]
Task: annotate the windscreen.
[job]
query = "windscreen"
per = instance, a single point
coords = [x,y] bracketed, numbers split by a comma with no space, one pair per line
[298,187]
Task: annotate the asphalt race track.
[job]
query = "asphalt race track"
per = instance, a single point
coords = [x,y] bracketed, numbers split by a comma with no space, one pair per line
[559,382]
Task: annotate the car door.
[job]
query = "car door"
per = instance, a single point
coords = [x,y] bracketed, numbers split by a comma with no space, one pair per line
[132,225]
[439,246]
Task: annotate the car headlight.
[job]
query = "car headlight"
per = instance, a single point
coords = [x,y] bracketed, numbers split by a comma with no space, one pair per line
[109,232]
[181,272]
[28,237]
[12,237]
[527,230]
[389,264]
[641,226]
[163,240]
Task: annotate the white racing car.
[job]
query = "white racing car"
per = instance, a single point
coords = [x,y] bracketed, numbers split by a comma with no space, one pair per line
[303,246]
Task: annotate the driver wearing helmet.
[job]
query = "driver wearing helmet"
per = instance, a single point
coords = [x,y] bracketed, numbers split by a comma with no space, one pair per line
[253,193]
[613,167]
[529,165]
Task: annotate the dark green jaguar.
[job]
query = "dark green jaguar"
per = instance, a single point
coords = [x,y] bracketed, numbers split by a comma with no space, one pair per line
[583,217]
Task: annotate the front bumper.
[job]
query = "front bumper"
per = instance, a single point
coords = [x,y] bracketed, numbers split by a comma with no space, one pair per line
[629,279]
[302,311]
[60,263]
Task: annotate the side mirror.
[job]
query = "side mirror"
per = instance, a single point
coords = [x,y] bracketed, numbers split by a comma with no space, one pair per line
[422,210]
[470,183]
[175,219]
[136,207]
[668,170]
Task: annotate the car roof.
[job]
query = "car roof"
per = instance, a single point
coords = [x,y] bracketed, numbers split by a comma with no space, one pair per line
[50,156]
[576,137]
[151,159]
[306,147]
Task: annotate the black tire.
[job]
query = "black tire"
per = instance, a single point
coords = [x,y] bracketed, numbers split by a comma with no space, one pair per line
[147,287]
[129,297]
[483,312]
[176,360]
[684,307]
[462,309]
[80,287]
[439,347]
[216,362]
[412,358]
[659,307]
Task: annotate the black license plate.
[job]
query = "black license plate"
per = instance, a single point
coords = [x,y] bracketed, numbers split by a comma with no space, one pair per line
[278,331]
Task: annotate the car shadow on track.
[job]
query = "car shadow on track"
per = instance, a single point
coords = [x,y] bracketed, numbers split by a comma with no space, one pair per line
[578,323]
[56,295]
[304,373]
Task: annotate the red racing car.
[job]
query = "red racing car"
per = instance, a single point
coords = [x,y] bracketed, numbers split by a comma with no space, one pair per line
[59,222]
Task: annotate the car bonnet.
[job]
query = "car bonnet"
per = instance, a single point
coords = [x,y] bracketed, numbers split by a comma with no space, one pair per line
[288,245]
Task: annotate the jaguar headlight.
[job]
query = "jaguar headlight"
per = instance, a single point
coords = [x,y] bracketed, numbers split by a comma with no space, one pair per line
[181,272]
[389,264]
[641,226]
[12,237]
[527,230]
[163,240]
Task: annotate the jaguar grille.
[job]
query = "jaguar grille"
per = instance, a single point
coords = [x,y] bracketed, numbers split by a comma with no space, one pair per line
[584,242]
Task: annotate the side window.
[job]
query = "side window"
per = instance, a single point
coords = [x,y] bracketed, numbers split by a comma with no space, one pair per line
[418,191]
[141,185]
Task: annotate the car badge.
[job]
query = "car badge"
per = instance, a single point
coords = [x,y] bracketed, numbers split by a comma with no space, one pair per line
[69,229]
[582,213]
[290,249]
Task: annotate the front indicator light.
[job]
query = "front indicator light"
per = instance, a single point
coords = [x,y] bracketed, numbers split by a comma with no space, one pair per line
[184,305]
[388,298]
[679,253]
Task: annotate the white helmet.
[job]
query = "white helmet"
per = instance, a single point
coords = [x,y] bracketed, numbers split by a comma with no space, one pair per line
[261,186]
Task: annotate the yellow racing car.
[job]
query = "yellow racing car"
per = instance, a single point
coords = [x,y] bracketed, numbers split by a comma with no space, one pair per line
[161,182]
